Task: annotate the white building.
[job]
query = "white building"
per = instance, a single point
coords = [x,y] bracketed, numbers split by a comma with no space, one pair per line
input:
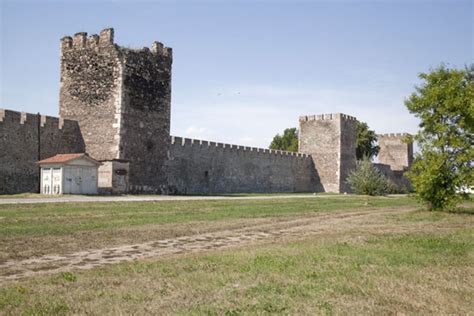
[69,174]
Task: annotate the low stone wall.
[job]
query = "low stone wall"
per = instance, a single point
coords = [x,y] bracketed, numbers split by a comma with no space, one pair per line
[26,138]
[197,166]
[397,177]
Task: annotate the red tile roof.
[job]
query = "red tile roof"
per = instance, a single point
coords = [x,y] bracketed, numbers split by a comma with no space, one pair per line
[62,158]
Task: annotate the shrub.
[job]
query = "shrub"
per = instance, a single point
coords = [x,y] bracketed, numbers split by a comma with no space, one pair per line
[368,180]
[393,188]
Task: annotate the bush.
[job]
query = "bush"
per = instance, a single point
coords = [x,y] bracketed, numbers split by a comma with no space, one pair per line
[368,180]
[393,188]
[434,178]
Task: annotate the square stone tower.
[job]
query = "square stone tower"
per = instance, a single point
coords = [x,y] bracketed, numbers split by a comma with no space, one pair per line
[121,99]
[395,151]
[331,141]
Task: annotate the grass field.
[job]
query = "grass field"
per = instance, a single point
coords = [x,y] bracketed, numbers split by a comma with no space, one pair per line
[337,254]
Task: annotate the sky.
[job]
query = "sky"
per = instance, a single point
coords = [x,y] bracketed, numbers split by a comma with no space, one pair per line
[244,71]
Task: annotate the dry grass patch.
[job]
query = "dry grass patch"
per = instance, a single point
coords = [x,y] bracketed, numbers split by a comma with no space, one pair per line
[38,229]
[356,271]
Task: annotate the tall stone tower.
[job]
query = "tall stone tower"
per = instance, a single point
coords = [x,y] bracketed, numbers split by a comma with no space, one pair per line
[394,151]
[121,98]
[331,141]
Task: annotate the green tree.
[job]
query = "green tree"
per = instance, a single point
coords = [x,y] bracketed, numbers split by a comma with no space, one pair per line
[366,142]
[444,103]
[288,141]
[367,179]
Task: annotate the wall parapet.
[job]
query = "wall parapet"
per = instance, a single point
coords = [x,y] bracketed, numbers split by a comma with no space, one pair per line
[23,117]
[106,39]
[159,48]
[80,40]
[330,116]
[393,135]
[182,141]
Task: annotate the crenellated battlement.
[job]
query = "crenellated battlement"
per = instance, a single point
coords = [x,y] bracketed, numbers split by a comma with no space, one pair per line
[105,39]
[182,141]
[160,49]
[331,116]
[24,118]
[394,135]
[81,41]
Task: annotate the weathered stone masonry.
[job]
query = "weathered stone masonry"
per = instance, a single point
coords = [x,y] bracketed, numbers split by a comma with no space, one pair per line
[395,151]
[198,166]
[121,98]
[25,139]
[330,139]
[115,105]
[395,158]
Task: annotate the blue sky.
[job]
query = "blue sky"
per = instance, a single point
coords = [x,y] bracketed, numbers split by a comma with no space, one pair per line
[245,70]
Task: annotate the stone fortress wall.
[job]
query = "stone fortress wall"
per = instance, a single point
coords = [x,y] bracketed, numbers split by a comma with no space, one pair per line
[26,138]
[115,105]
[198,166]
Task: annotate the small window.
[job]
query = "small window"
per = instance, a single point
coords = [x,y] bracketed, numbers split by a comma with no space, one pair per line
[206,174]
[46,169]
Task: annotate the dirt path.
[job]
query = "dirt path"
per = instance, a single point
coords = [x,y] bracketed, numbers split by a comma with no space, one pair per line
[147,198]
[324,224]
[157,198]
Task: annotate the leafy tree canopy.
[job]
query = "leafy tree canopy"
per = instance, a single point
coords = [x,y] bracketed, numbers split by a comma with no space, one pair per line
[366,142]
[288,141]
[444,103]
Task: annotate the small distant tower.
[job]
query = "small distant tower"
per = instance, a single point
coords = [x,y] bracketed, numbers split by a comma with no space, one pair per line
[121,98]
[395,151]
[331,141]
